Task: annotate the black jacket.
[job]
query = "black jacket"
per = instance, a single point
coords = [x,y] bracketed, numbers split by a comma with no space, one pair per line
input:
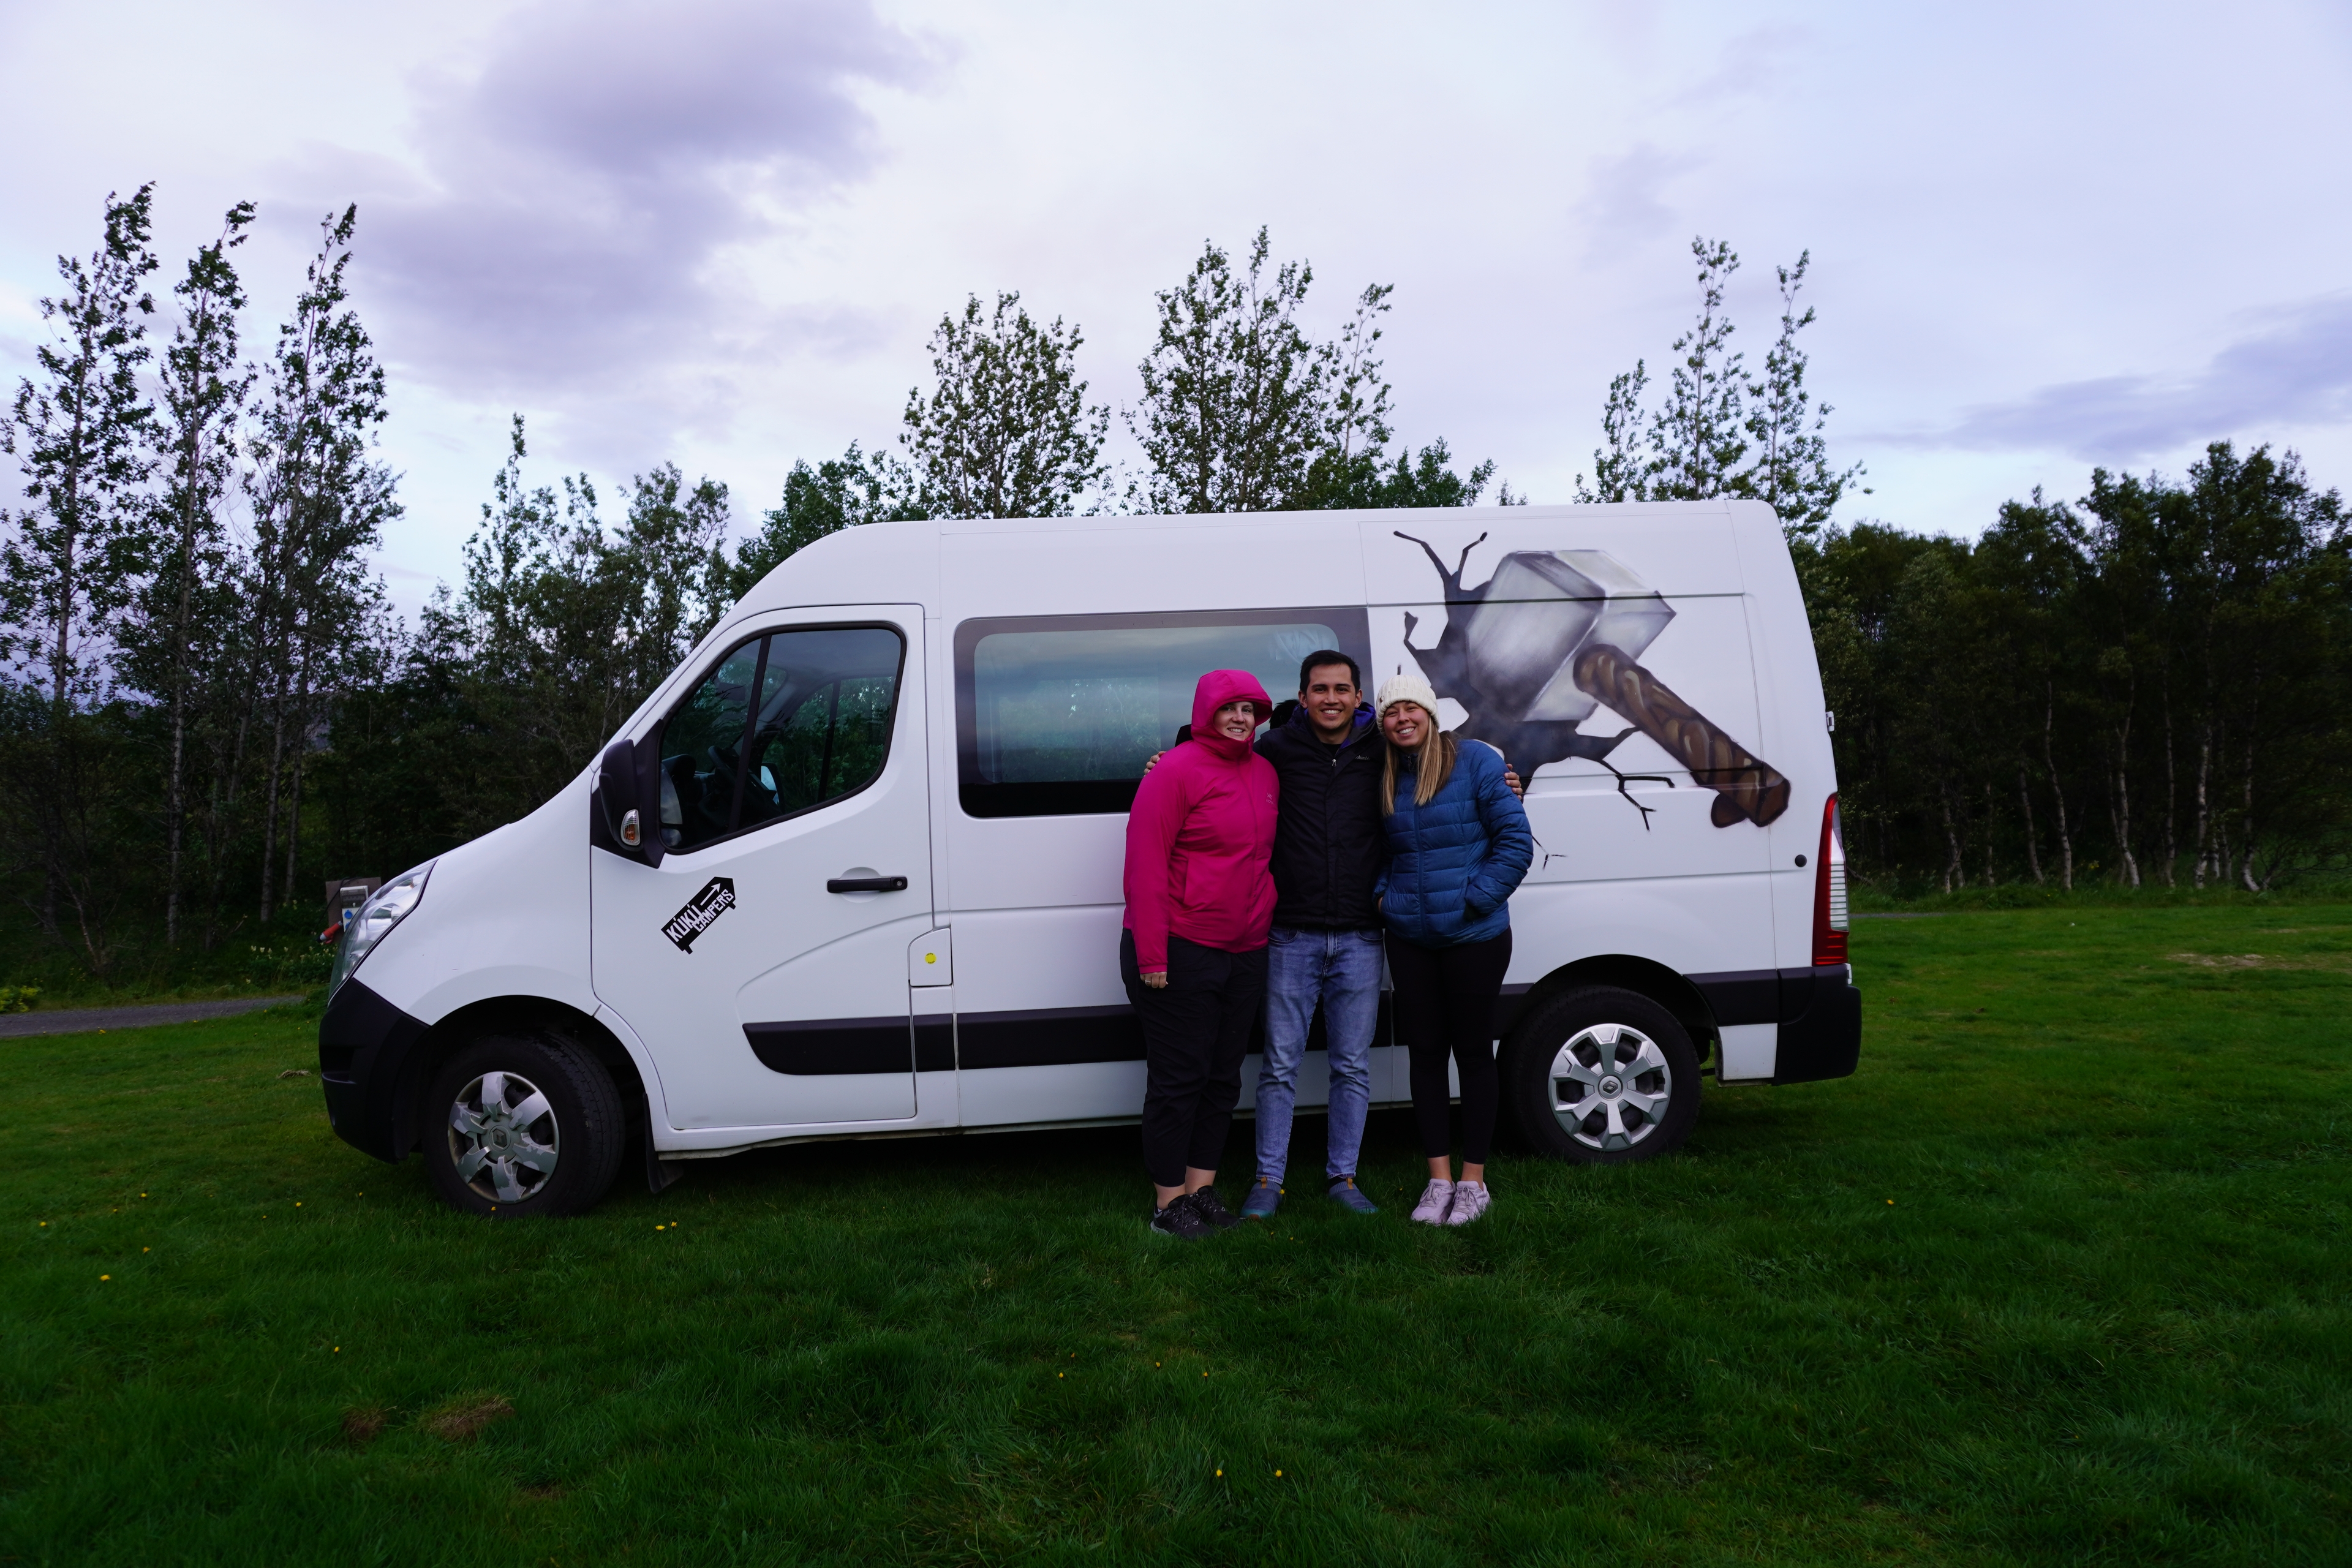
[1327,837]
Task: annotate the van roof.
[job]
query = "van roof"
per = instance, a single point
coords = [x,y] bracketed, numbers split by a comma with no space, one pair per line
[1001,566]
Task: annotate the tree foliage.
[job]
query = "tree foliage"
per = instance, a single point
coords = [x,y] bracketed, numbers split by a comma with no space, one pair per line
[79,436]
[204,701]
[1245,410]
[837,493]
[2154,685]
[1006,431]
[1719,433]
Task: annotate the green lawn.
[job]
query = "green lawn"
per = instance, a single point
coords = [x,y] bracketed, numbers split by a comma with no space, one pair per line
[2058,1278]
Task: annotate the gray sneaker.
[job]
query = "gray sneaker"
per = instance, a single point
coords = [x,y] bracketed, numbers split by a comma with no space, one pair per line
[1347,1195]
[1471,1199]
[1434,1199]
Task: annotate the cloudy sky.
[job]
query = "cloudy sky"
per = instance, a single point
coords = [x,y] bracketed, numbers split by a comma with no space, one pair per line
[720,231]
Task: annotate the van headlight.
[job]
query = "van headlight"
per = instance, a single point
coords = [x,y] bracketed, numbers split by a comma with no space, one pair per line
[387,909]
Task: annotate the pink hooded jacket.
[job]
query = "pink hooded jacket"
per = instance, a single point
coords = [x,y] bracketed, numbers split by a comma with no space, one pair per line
[1201,836]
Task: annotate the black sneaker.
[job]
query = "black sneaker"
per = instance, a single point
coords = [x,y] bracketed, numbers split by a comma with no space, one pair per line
[1212,1208]
[1180,1220]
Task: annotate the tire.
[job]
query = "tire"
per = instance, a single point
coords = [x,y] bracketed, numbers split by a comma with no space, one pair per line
[517,1125]
[1639,1111]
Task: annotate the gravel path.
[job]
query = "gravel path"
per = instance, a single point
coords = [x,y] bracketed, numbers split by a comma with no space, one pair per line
[76,1020]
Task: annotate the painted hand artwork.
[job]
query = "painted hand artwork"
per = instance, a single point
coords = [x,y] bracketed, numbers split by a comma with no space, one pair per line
[1552,635]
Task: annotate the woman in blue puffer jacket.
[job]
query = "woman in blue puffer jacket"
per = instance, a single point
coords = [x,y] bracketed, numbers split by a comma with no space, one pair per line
[1458,845]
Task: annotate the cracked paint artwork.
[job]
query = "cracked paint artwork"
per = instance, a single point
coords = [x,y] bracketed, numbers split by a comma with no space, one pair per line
[1554,636]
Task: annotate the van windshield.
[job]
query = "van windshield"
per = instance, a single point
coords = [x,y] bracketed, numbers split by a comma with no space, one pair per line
[1059,716]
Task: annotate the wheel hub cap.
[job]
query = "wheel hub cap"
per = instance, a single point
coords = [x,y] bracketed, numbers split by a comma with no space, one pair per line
[503,1137]
[1610,1086]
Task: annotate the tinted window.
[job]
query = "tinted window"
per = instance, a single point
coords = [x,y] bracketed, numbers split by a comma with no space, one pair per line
[824,719]
[819,730]
[1058,715]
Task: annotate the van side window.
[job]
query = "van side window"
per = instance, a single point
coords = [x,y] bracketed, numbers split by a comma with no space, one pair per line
[819,730]
[1057,715]
[824,729]
[700,743]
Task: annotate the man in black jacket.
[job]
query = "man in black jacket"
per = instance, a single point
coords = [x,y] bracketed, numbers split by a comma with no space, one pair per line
[1325,946]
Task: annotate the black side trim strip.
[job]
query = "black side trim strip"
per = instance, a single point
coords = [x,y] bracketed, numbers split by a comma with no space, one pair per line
[827,1047]
[1051,1037]
[935,1042]
[1048,1037]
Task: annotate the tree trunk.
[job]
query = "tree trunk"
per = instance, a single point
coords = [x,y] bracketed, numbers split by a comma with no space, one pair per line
[2119,811]
[2025,803]
[302,755]
[2057,794]
[2204,840]
[2247,873]
[68,542]
[1953,875]
[1990,880]
[174,815]
[269,803]
[175,808]
[228,780]
[2171,791]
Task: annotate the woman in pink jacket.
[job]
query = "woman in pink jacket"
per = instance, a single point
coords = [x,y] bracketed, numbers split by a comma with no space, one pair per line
[1198,900]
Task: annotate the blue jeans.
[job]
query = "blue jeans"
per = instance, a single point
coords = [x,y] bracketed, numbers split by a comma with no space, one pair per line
[1342,969]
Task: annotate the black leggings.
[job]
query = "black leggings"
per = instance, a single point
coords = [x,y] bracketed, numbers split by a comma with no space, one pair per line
[1445,1001]
[1196,1031]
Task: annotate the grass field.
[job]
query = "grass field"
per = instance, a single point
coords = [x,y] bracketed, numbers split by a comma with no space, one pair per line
[2060,1277]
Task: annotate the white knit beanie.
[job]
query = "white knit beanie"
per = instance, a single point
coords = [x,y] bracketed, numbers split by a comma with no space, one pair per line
[1406,688]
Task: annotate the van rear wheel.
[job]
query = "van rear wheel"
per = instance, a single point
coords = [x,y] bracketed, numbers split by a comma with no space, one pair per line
[521,1125]
[1602,1076]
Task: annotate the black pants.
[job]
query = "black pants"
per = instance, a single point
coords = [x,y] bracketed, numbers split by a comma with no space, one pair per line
[1445,1001]
[1195,1034]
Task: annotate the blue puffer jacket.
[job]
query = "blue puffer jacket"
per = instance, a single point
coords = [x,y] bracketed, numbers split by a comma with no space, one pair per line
[1453,863]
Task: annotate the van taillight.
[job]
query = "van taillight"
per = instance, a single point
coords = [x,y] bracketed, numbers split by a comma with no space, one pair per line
[1829,890]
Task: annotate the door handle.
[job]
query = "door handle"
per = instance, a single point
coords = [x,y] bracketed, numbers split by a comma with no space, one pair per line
[867,885]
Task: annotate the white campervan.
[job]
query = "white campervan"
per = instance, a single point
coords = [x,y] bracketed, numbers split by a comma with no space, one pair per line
[854,870]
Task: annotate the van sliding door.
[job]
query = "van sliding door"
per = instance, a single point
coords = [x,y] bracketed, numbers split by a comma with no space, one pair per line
[1056,718]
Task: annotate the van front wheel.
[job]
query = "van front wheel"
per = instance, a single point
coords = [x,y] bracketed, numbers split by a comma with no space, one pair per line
[522,1125]
[1602,1076]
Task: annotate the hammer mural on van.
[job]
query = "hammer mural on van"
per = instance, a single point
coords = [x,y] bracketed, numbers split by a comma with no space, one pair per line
[1552,635]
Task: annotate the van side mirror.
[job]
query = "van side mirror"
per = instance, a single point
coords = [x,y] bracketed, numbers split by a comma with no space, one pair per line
[625,808]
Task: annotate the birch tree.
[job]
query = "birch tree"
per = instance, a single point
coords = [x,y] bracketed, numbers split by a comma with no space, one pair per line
[180,629]
[319,501]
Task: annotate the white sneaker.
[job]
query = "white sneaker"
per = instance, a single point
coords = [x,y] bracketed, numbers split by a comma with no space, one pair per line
[1435,1198]
[1471,1199]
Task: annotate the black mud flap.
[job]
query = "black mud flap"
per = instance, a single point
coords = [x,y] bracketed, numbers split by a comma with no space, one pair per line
[1821,1024]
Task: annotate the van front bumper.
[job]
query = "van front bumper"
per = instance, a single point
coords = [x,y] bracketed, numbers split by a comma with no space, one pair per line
[365,1044]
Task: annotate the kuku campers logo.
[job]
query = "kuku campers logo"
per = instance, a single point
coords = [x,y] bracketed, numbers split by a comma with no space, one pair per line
[701,913]
[1553,637]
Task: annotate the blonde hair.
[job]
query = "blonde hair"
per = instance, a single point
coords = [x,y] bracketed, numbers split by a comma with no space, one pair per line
[1436,765]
